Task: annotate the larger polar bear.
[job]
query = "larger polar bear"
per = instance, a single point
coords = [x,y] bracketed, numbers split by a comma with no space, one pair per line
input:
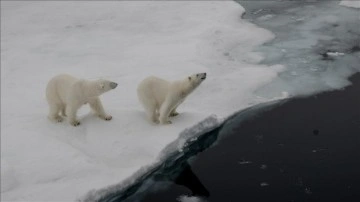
[160,98]
[65,94]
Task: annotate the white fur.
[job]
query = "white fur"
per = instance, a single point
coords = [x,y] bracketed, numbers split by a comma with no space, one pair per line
[66,94]
[160,98]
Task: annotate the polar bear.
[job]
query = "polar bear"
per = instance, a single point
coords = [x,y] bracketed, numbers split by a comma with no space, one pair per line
[65,94]
[160,98]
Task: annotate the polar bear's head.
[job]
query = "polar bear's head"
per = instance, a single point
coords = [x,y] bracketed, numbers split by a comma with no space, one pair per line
[196,79]
[103,86]
[192,82]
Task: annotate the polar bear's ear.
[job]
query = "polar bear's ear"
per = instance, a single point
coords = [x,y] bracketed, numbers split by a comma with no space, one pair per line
[189,78]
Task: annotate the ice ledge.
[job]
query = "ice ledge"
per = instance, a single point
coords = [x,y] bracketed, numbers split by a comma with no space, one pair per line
[174,150]
[190,142]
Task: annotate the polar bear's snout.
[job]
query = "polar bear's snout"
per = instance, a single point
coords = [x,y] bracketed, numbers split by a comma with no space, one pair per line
[203,76]
[113,85]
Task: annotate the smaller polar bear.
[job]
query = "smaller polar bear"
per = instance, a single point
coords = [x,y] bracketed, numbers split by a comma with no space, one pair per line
[65,94]
[160,98]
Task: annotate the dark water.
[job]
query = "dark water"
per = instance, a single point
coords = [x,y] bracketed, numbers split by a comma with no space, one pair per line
[307,149]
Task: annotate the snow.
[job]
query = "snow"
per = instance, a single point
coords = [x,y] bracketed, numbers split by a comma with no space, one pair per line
[124,42]
[350,3]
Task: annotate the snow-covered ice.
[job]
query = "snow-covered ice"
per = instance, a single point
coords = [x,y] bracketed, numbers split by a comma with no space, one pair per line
[125,42]
[350,3]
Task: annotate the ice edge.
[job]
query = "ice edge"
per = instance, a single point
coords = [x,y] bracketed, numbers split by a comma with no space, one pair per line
[179,148]
[187,136]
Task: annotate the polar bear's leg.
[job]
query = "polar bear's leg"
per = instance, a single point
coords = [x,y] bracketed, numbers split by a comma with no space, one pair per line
[174,112]
[96,105]
[54,112]
[150,107]
[71,113]
[165,111]
[62,110]
[151,113]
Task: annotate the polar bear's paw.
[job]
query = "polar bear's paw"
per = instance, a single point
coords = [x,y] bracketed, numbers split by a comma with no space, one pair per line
[107,117]
[166,122]
[75,123]
[56,119]
[174,114]
[155,120]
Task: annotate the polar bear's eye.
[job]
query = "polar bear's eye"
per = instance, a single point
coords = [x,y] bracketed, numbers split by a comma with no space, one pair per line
[197,75]
[189,78]
[102,86]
